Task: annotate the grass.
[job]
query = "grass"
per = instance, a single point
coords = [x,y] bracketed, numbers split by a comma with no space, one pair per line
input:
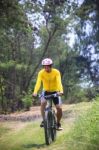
[85,134]
[29,136]
[25,138]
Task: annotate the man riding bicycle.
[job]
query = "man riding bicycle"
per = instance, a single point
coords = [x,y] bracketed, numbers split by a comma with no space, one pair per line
[51,80]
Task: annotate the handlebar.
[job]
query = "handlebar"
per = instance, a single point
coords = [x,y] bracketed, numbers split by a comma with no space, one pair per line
[50,96]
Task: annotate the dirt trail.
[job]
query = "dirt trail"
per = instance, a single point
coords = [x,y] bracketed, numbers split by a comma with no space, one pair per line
[18,120]
[69,111]
[33,114]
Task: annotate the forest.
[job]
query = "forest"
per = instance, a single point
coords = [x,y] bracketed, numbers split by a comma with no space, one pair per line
[66,31]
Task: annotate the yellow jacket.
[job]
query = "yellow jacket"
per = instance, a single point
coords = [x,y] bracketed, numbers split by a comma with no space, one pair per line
[51,81]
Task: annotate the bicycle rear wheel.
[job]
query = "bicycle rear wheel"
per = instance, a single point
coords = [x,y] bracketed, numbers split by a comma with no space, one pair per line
[48,127]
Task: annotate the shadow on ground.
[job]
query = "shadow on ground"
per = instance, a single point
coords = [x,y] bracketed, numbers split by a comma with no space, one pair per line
[34,145]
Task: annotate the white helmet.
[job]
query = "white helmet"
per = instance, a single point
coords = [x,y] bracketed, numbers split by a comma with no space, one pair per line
[47,61]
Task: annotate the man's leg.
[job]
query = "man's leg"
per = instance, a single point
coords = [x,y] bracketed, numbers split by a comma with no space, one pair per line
[59,113]
[43,105]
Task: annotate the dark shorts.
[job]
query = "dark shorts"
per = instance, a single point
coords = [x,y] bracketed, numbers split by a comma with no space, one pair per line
[56,100]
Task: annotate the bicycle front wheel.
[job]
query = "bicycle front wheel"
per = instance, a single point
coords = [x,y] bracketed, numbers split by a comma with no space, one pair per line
[53,130]
[48,127]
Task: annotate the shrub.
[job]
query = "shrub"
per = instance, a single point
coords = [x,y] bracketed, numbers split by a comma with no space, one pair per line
[27,100]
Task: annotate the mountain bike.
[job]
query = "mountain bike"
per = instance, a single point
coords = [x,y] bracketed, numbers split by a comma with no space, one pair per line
[50,120]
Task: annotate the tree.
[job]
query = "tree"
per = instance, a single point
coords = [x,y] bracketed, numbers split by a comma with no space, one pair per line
[88,38]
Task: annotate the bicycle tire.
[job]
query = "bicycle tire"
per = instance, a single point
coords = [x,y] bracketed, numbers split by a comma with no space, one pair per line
[48,127]
[53,130]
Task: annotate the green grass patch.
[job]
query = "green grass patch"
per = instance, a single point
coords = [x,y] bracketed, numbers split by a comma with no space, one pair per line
[29,136]
[26,138]
[85,134]
[3,130]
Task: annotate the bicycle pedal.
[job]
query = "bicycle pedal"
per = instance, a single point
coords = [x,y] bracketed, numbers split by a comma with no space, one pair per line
[42,124]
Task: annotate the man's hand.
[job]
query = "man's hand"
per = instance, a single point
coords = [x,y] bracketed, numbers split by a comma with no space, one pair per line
[34,95]
[60,93]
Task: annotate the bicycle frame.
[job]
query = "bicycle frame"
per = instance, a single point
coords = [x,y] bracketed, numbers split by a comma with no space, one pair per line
[50,120]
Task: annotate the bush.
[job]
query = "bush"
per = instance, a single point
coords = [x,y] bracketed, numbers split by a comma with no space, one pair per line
[27,100]
[76,96]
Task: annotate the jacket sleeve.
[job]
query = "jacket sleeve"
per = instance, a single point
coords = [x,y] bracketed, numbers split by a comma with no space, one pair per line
[59,82]
[38,84]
